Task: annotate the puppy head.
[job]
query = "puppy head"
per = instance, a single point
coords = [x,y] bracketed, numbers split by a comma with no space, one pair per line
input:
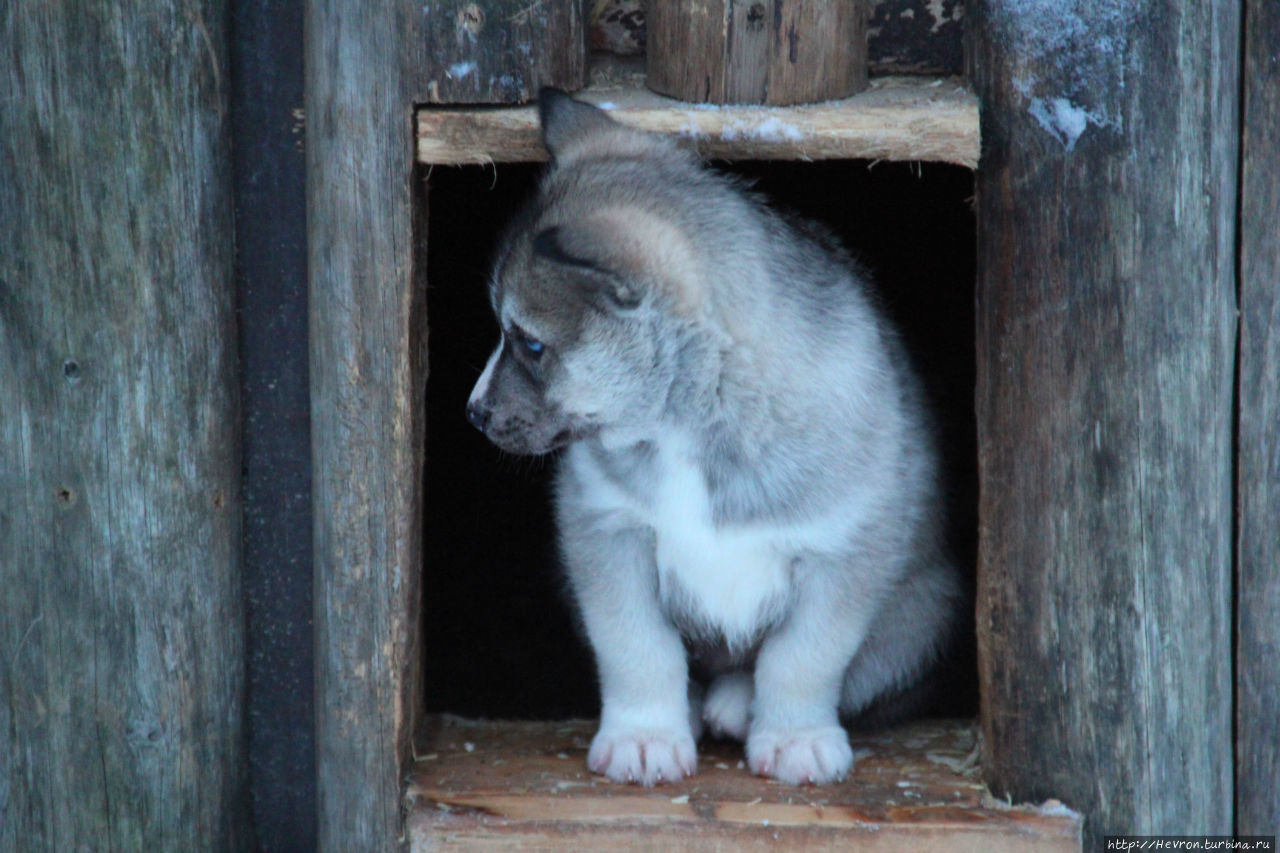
[587,288]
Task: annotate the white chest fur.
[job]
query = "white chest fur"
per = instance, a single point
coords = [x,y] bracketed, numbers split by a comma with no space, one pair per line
[730,575]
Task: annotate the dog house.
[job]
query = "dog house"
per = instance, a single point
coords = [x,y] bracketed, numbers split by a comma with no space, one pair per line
[1123,328]
[1060,662]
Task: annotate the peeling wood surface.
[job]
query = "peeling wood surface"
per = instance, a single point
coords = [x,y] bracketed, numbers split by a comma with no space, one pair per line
[916,37]
[897,118]
[525,786]
[1258,464]
[496,51]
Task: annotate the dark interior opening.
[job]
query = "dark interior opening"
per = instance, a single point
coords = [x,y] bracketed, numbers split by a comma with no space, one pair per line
[499,633]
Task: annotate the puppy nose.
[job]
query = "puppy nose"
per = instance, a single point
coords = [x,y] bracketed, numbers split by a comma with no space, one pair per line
[478,416]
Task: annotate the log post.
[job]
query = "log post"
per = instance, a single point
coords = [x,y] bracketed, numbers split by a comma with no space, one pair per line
[1258,465]
[1106,335]
[121,625]
[499,51]
[367,336]
[747,52]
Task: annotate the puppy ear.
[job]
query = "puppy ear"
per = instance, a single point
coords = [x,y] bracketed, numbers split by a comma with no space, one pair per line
[577,249]
[622,255]
[568,124]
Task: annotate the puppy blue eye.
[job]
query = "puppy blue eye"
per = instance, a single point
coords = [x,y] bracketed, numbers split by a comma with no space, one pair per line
[532,346]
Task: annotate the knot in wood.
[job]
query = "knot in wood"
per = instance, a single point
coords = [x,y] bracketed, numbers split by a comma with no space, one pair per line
[471,19]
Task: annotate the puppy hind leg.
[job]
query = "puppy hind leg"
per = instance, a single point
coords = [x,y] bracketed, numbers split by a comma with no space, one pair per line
[697,700]
[888,679]
[727,708]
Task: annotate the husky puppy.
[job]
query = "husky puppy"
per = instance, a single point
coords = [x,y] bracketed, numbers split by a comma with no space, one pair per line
[748,490]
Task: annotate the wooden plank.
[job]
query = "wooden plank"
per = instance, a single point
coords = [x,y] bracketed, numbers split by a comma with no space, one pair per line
[525,786]
[368,377]
[122,662]
[498,51]
[1258,465]
[1106,335]
[897,118]
[786,52]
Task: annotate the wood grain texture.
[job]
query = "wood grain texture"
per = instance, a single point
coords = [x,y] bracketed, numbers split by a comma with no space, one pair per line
[903,36]
[1258,475]
[499,51]
[1106,337]
[121,647]
[368,377]
[898,118]
[747,52]
[525,786]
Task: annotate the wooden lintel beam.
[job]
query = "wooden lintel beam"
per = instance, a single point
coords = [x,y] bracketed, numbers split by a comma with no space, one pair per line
[898,118]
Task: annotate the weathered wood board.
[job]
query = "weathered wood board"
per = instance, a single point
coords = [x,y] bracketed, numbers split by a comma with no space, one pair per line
[904,36]
[1258,472]
[736,52]
[1106,340]
[497,51]
[121,646]
[897,118]
[367,330]
[525,786]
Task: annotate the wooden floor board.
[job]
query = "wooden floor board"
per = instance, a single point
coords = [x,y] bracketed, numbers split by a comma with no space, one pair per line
[525,786]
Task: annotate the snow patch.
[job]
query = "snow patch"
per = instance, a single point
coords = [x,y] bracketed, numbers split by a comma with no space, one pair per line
[771,129]
[1064,120]
[1067,53]
[1056,808]
[460,70]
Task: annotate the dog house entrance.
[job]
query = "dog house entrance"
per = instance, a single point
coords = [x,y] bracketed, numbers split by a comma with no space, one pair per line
[509,683]
[500,639]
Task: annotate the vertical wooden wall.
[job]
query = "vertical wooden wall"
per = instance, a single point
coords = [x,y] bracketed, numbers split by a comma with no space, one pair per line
[1106,320]
[1258,473]
[121,649]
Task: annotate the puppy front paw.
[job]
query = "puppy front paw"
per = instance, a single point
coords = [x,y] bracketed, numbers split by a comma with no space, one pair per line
[647,756]
[797,756]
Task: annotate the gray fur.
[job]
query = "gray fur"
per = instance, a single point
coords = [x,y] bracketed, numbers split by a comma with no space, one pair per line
[750,471]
